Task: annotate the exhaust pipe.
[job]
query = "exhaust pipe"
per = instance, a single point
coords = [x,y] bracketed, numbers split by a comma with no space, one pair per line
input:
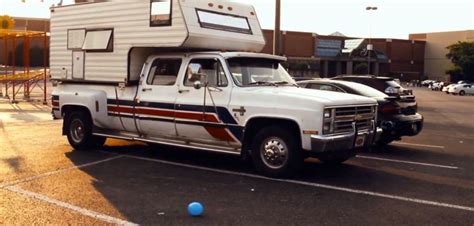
[414,129]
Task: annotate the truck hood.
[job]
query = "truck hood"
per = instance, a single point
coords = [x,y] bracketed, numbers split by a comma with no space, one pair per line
[328,98]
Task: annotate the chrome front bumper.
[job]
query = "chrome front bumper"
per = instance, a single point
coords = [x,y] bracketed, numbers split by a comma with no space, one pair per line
[344,142]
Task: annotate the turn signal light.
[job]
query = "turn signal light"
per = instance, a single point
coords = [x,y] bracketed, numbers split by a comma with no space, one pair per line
[390,108]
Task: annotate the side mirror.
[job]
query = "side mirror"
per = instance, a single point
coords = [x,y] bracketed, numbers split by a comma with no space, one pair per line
[197,85]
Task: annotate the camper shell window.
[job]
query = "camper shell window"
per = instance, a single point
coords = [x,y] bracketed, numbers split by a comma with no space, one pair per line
[160,13]
[222,21]
[99,41]
[75,39]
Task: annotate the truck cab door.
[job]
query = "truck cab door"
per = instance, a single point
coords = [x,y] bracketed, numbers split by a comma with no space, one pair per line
[156,98]
[202,114]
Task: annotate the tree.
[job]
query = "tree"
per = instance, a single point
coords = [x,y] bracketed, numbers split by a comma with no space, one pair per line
[461,55]
[455,72]
[361,68]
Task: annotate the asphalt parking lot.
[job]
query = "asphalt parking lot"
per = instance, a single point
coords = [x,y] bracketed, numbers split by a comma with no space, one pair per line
[424,180]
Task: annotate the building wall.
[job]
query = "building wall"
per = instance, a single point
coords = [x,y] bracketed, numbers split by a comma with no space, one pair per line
[405,57]
[435,59]
[268,34]
[298,44]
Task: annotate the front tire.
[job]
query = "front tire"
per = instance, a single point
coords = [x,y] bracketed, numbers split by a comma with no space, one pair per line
[276,152]
[462,93]
[79,132]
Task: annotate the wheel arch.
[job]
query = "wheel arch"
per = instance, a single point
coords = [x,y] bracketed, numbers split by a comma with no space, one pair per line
[68,108]
[254,125]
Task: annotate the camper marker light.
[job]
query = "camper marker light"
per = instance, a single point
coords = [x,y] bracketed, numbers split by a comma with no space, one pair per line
[195,209]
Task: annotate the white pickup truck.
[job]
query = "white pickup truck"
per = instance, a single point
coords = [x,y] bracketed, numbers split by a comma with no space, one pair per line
[223,101]
[240,103]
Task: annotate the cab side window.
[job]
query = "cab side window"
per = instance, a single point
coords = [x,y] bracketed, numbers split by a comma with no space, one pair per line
[208,71]
[325,87]
[164,72]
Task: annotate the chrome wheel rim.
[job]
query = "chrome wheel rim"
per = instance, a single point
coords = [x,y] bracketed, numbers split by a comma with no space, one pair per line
[274,152]
[77,130]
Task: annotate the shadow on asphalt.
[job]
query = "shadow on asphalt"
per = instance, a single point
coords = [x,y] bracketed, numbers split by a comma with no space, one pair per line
[130,184]
[16,163]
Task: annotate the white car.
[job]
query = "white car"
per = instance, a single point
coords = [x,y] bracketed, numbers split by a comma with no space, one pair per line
[446,88]
[436,86]
[461,89]
[427,82]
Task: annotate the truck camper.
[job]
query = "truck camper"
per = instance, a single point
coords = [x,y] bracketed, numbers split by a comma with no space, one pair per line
[187,73]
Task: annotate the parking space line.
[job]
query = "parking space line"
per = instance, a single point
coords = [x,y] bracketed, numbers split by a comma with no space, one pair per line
[85,212]
[317,185]
[407,162]
[47,174]
[419,145]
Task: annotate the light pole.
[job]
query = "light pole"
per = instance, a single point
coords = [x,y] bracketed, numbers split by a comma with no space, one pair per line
[276,31]
[370,47]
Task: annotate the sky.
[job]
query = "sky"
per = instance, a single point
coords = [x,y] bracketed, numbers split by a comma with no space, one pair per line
[393,19]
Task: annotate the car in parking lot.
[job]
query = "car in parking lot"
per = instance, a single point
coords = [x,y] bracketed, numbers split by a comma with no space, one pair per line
[397,116]
[386,85]
[462,89]
[443,84]
[427,82]
[446,88]
[436,86]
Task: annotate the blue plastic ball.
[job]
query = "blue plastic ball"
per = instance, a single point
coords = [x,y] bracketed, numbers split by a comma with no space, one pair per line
[195,209]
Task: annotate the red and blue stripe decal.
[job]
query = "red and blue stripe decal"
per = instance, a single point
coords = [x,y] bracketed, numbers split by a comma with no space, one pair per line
[217,121]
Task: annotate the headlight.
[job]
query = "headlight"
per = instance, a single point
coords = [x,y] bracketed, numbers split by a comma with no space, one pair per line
[327,113]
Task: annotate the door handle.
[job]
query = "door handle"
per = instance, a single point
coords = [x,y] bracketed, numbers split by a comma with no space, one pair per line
[146,89]
[183,91]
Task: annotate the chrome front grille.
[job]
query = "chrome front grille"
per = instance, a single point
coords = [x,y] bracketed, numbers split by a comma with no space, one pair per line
[342,118]
[351,111]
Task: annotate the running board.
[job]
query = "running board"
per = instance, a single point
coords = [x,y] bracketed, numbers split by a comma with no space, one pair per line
[183,144]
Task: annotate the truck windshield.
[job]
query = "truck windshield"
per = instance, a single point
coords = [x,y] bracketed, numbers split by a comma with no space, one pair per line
[258,72]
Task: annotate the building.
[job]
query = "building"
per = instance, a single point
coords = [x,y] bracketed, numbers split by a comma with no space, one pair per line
[313,55]
[435,59]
